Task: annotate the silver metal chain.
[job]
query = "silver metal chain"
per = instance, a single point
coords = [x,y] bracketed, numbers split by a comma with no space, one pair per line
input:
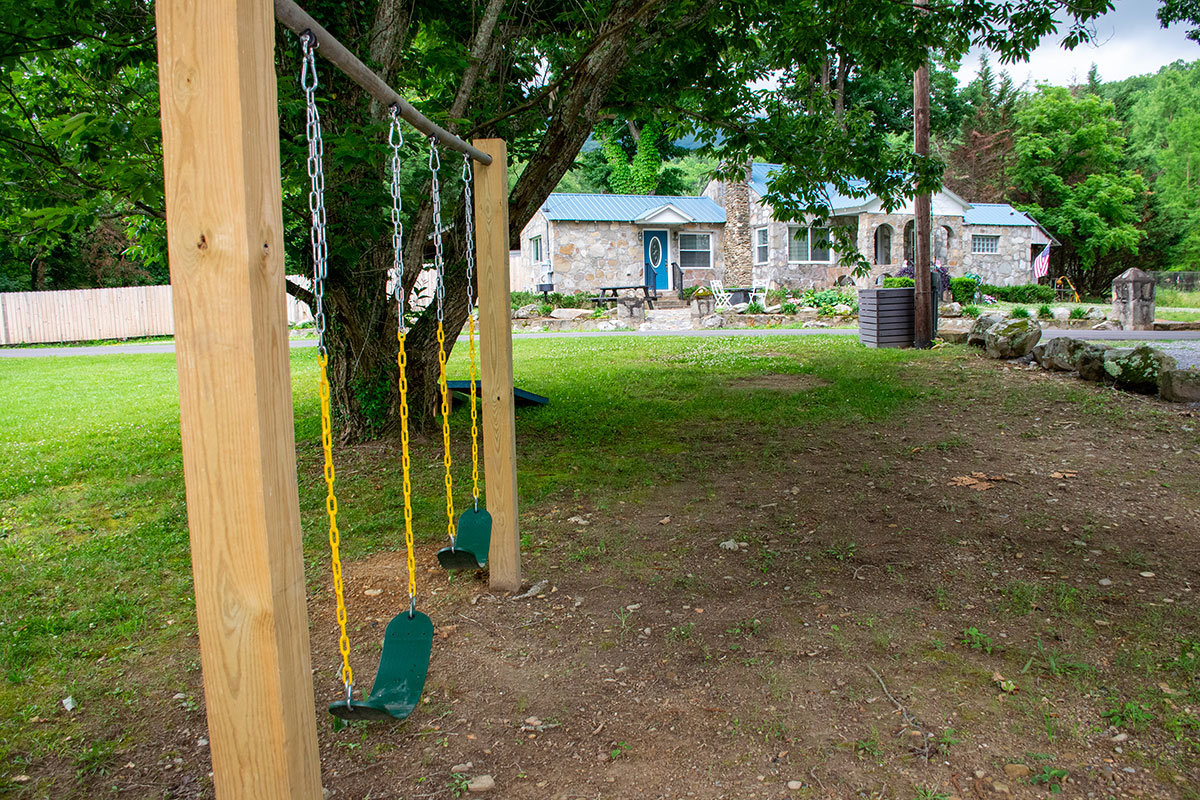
[439,263]
[316,192]
[469,214]
[396,140]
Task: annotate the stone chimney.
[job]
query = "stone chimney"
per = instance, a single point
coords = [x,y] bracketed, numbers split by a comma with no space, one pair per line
[739,266]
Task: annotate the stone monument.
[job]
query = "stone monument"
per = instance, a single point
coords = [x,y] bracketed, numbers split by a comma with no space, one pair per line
[1133,300]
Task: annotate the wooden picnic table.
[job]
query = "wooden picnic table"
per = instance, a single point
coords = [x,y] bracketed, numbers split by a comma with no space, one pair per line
[610,294]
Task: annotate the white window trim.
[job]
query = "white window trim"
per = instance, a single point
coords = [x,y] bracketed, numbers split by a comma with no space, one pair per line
[808,234]
[981,237]
[757,244]
[537,244]
[712,248]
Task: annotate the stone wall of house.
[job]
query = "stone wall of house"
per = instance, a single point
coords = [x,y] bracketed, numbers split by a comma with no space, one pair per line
[588,255]
[1010,266]
[949,244]
[738,216]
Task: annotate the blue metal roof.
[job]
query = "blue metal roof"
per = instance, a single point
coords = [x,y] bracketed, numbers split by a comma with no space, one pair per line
[625,207]
[996,214]
[760,175]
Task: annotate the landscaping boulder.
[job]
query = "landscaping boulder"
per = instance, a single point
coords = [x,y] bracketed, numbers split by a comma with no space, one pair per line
[1012,338]
[1108,325]
[843,309]
[570,313]
[713,321]
[1089,360]
[950,310]
[1058,353]
[1138,369]
[527,312]
[1179,385]
[978,331]
[1060,313]
[1094,313]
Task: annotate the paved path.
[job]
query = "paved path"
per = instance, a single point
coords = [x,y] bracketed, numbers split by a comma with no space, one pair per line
[1191,338]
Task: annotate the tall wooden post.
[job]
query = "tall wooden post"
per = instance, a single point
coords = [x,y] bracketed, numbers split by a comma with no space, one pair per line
[225,239]
[496,373]
[923,320]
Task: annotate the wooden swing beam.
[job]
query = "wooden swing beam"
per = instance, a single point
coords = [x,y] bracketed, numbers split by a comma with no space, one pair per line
[221,167]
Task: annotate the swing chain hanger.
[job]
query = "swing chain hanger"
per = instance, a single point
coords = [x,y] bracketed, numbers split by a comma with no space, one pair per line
[435,164]
[298,21]
[396,141]
[316,194]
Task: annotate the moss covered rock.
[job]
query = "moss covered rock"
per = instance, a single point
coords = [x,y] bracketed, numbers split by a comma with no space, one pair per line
[1012,338]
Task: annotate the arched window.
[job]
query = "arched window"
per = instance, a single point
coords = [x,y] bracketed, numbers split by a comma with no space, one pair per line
[943,243]
[910,242]
[883,244]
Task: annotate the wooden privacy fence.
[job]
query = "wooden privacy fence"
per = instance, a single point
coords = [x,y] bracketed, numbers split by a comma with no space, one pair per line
[77,315]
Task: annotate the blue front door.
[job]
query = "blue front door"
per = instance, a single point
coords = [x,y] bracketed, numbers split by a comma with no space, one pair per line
[658,268]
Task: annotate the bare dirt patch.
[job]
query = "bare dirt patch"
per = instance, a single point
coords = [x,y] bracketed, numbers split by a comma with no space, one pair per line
[780,382]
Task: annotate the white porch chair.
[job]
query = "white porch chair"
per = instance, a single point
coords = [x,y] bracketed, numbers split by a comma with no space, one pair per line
[722,296]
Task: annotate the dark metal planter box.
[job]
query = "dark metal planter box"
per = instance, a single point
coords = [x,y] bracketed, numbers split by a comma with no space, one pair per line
[885,317]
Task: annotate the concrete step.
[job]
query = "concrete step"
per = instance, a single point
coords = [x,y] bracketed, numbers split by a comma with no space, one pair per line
[669,301]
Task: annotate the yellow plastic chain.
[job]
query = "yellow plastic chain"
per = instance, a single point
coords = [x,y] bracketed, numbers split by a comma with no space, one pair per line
[331,506]
[406,467]
[474,412]
[441,337]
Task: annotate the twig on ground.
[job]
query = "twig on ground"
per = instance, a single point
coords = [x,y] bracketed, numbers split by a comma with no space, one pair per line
[534,590]
[909,720]
[813,774]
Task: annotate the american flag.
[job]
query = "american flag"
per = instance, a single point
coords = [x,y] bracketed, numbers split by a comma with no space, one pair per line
[1041,264]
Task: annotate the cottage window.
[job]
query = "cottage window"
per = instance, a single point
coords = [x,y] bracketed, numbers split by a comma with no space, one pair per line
[535,249]
[808,245]
[883,245]
[695,250]
[985,244]
[761,245]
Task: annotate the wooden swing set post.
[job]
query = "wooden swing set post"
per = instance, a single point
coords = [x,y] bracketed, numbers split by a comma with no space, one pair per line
[496,365]
[225,242]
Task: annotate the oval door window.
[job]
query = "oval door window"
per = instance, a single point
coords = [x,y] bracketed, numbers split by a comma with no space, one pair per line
[655,252]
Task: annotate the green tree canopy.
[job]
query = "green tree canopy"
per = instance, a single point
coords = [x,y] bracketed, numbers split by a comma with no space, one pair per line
[1070,171]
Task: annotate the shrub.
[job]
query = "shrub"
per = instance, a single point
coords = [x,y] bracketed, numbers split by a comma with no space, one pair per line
[776,296]
[755,308]
[519,299]
[1020,312]
[788,308]
[899,283]
[1044,312]
[687,294]
[544,309]
[1021,293]
[1078,312]
[963,289]
[970,311]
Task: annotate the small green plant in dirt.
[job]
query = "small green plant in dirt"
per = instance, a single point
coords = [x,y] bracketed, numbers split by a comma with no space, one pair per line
[747,628]
[1078,312]
[868,748]
[971,311]
[1188,661]
[925,793]
[682,633]
[1020,312]
[1044,312]
[841,551]
[1021,596]
[1050,777]
[755,308]
[618,750]
[96,758]
[458,784]
[1131,715]
[1056,663]
[977,640]
[764,559]
[947,739]
[623,614]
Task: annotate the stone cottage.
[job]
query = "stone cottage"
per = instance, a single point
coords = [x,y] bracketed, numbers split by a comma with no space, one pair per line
[581,242]
[992,240]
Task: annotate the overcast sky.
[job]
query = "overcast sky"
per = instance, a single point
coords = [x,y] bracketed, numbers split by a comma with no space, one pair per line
[1129,41]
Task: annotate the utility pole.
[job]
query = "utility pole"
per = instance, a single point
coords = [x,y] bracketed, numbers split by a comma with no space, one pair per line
[923,313]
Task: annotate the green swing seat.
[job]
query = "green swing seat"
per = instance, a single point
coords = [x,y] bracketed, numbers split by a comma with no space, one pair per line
[471,542]
[400,679]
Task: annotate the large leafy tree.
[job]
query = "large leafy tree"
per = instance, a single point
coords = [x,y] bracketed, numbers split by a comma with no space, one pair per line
[1165,139]
[539,74]
[1070,171]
